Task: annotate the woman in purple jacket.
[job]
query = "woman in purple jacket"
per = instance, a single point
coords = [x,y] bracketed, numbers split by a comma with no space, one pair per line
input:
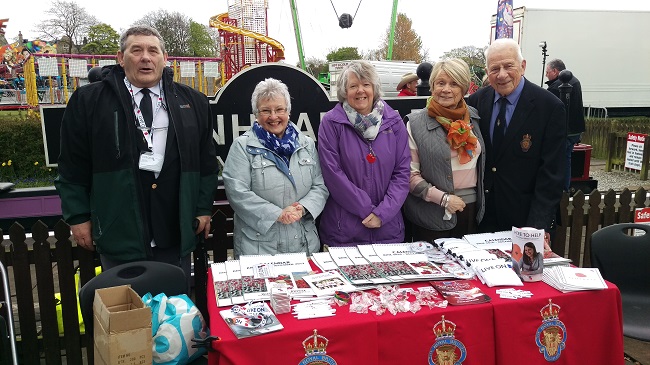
[364,155]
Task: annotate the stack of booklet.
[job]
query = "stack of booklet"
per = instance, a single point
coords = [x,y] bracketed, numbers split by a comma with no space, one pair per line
[568,279]
[380,263]
[250,278]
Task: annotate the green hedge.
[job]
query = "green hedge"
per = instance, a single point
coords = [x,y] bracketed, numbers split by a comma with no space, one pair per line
[22,155]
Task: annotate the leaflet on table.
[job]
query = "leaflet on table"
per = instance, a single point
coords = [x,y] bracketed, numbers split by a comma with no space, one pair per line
[255,289]
[233,271]
[326,283]
[393,262]
[398,253]
[364,265]
[347,267]
[433,252]
[460,292]
[528,253]
[220,281]
[567,279]
[371,256]
[551,258]
[302,288]
[270,269]
[502,240]
[469,258]
[324,261]
[252,319]
[496,273]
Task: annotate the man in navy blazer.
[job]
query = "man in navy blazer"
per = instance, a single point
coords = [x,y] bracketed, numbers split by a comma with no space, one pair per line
[524,174]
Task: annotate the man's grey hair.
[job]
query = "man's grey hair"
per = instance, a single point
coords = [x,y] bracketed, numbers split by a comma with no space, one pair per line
[363,70]
[504,43]
[141,30]
[556,64]
[270,89]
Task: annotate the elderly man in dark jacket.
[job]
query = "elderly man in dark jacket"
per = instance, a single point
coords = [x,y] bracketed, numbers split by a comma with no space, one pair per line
[138,165]
[524,129]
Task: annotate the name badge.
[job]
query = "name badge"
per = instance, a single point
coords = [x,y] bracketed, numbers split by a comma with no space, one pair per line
[150,161]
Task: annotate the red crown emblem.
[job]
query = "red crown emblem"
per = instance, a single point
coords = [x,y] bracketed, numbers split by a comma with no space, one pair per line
[444,329]
[315,344]
[550,311]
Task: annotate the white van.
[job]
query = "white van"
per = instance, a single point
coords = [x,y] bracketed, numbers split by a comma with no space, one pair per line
[390,74]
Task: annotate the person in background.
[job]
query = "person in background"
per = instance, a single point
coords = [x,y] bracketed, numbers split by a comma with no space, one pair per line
[447,166]
[363,148]
[273,180]
[525,132]
[408,86]
[485,81]
[576,115]
[138,166]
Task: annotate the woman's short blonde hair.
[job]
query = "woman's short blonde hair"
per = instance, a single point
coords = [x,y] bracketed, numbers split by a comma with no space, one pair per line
[455,68]
[363,70]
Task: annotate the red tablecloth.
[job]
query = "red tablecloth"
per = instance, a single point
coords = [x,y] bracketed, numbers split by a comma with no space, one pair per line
[593,321]
[501,332]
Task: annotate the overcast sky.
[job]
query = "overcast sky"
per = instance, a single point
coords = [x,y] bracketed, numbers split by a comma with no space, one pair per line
[442,25]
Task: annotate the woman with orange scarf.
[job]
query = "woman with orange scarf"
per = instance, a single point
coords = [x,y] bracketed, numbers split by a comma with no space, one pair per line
[446,197]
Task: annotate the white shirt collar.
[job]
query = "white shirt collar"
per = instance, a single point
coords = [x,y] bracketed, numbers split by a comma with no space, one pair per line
[154,89]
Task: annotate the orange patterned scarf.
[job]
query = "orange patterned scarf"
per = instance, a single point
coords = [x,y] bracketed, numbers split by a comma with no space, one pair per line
[458,126]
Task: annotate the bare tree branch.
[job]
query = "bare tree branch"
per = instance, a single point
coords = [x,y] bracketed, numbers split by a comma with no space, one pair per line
[68,23]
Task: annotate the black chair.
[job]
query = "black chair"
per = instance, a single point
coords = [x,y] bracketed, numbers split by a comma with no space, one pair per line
[144,277]
[624,260]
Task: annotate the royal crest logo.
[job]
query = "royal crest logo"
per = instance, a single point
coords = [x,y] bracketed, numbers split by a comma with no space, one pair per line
[551,335]
[316,351]
[526,142]
[447,350]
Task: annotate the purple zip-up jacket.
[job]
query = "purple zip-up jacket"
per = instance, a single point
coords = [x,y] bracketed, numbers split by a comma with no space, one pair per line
[358,187]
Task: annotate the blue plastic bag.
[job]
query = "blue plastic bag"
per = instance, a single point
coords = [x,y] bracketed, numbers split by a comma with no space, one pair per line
[175,321]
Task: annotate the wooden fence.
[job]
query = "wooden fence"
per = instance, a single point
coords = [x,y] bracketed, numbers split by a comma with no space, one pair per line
[46,263]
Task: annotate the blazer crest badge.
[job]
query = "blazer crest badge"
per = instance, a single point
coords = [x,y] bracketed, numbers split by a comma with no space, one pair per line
[526,142]
[551,334]
[447,350]
[316,351]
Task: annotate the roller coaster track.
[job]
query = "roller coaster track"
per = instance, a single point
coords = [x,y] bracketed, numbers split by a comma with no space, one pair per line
[217,22]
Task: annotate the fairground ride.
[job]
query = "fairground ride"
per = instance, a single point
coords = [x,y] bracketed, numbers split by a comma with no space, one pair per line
[242,47]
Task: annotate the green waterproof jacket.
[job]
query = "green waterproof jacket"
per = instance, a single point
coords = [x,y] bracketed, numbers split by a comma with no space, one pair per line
[98,165]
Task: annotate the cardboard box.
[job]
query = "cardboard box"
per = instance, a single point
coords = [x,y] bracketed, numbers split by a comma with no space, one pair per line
[122,327]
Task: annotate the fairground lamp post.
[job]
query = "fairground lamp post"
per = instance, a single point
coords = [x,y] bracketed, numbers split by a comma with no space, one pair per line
[542,44]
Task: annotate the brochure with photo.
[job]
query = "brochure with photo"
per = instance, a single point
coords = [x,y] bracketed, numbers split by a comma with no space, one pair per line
[363,264]
[252,319]
[352,272]
[302,288]
[220,281]
[460,292]
[528,253]
[327,283]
